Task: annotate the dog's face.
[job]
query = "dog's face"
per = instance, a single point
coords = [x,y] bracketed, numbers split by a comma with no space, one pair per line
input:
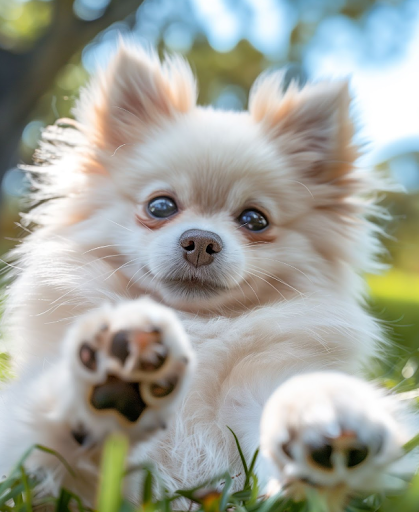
[220,209]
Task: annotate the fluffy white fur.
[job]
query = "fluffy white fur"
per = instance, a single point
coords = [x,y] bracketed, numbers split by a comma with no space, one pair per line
[275,305]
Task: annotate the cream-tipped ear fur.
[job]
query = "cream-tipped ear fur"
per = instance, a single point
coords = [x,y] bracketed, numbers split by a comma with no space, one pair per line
[312,124]
[135,91]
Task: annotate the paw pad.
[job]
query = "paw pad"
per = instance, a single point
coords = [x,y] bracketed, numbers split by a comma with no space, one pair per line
[153,354]
[119,395]
[356,456]
[124,362]
[322,456]
[120,346]
[160,390]
[88,356]
[79,435]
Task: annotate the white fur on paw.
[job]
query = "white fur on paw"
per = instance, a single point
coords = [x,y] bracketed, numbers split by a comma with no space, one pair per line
[129,369]
[330,430]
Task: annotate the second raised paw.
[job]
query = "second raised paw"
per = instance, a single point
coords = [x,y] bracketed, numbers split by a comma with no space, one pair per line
[333,432]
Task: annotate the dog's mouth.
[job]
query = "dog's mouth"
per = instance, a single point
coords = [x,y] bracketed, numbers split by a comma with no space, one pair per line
[193,287]
[180,281]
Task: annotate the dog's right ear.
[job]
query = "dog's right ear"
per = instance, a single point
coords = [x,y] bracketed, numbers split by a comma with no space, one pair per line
[135,91]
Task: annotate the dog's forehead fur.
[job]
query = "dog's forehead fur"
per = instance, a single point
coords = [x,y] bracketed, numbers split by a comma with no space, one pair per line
[212,160]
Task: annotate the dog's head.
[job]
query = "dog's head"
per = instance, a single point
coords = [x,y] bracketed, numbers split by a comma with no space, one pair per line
[211,208]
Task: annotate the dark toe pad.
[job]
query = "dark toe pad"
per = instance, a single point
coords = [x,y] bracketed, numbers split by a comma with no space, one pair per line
[122,396]
[120,346]
[322,456]
[88,356]
[357,456]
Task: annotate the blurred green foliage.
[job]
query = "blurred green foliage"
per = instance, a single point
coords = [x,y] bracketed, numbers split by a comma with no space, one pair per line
[22,23]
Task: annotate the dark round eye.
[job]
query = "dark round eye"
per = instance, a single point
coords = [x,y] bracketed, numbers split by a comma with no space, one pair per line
[252,220]
[162,207]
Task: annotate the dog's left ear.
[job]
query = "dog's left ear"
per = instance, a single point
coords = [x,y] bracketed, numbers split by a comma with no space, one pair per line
[311,125]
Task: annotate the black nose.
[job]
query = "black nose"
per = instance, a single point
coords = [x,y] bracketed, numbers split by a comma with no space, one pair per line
[200,246]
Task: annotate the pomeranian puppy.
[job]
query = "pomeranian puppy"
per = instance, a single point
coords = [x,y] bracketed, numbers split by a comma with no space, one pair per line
[191,269]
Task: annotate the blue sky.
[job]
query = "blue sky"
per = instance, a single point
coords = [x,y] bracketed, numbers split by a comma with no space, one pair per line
[386,92]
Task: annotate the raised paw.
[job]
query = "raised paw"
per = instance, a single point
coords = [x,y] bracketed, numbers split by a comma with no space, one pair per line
[131,364]
[331,431]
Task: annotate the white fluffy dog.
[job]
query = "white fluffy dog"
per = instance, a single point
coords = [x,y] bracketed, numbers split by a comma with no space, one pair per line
[254,228]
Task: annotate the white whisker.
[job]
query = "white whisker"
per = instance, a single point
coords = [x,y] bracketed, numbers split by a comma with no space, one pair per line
[101,247]
[10,265]
[144,225]
[103,258]
[241,226]
[121,267]
[256,269]
[241,289]
[270,284]
[258,242]
[251,287]
[127,111]
[19,225]
[305,186]
[123,227]
[286,264]
[148,273]
[119,147]
[54,302]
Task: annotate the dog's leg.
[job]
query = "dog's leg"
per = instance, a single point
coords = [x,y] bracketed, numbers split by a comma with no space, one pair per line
[122,368]
[336,433]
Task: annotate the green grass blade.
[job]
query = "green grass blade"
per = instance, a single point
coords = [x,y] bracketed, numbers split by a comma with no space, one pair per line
[16,471]
[63,501]
[166,505]
[246,469]
[251,467]
[5,508]
[5,366]
[80,505]
[409,502]
[28,494]
[253,461]
[57,456]
[112,471]
[186,493]
[6,485]
[242,495]
[148,487]
[254,488]
[412,444]
[15,491]
[129,507]
[225,495]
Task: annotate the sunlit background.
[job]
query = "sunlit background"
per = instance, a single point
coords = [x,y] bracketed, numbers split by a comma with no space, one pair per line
[49,47]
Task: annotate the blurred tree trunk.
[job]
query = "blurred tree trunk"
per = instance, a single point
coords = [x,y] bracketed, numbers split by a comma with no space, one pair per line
[25,77]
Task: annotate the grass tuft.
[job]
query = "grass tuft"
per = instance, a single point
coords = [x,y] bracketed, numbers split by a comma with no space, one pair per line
[18,490]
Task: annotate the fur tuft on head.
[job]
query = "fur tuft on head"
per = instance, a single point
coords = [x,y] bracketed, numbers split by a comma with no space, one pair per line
[135,91]
[312,124]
